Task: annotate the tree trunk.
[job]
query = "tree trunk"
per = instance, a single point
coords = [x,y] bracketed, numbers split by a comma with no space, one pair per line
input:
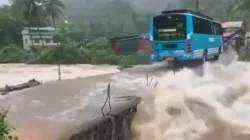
[31,37]
[54,23]
[197,7]
[58,65]
[134,20]
[41,38]
[29,21]
[38,28]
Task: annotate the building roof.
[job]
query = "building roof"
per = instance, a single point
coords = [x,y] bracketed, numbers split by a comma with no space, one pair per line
[232,24]
[41,28]
[48,29]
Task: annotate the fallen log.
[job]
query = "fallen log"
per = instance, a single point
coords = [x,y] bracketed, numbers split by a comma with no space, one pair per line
[29,84]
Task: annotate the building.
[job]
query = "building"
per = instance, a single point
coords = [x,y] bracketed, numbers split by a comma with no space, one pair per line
[132,44]
[47,34]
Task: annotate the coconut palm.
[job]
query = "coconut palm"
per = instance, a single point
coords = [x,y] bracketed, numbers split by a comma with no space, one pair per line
[244,4]
[29,12]
[24,7]
[36,15]
[53,9]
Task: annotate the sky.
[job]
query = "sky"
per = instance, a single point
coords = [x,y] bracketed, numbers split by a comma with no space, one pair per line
[4,2]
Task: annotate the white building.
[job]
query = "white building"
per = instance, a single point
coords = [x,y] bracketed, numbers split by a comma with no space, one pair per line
[47,34]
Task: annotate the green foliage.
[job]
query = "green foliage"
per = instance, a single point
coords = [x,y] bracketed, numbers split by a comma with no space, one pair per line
[59,55]
[69,34]
[96,52]
[13,54]
[223,9]
[127,61]
[244,56]
[143,57]
[10,31]
[5,127]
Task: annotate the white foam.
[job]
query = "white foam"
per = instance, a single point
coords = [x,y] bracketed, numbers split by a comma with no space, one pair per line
[222,95]
[12,74]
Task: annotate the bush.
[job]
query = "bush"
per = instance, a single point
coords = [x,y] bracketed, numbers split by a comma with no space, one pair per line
[96,52]
[143,57]
[126,61]
[59,55]
[13,54]
[244,56]
[5,127]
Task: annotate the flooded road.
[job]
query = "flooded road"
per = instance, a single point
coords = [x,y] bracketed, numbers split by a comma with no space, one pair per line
[176,106]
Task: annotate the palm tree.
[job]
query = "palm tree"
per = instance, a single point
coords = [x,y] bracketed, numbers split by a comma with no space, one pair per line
[29,12]
[36,16]
[24,8]
[197,6]
[53,9]
[244,4]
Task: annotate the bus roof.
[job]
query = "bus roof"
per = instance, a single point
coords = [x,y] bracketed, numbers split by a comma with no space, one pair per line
[186,11]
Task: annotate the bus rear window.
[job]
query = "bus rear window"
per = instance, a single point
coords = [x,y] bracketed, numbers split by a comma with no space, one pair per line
[169,27]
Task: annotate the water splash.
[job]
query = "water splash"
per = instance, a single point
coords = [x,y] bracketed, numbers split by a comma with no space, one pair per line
[185,106]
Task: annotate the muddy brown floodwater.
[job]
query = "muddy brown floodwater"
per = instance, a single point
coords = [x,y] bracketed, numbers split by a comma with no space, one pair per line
[183,106]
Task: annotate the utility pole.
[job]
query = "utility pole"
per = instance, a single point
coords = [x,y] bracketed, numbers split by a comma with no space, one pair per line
[197,8]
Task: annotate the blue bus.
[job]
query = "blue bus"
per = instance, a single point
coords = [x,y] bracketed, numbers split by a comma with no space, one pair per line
[182,35]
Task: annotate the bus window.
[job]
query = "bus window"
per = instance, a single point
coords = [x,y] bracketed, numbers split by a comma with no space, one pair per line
[201,26]
[220,30]
[216,30]
[169,27]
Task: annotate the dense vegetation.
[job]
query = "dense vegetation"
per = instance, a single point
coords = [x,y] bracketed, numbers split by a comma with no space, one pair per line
[27,13]
[5,127]
[91,19]
[109,18]
[82,11]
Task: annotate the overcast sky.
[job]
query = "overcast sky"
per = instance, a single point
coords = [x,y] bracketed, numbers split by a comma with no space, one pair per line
[3,2]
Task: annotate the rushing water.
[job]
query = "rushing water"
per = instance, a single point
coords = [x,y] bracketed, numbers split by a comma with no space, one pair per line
[182,106]
[19,73]
[185,106]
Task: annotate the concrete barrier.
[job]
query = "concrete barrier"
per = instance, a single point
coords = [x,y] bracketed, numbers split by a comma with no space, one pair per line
[115,126]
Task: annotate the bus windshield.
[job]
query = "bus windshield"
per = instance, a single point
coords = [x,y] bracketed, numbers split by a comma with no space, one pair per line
[169,27]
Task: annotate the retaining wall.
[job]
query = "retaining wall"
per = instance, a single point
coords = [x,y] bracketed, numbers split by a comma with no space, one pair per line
[115,126]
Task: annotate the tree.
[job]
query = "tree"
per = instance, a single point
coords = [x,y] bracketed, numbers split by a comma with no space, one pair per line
[69,34]
[244,4]
[53,9]
[28,12]
[10,28]
[36,17]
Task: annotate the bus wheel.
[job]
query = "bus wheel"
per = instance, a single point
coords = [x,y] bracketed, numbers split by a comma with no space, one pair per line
[220,50]
[204,58]
[216,57]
